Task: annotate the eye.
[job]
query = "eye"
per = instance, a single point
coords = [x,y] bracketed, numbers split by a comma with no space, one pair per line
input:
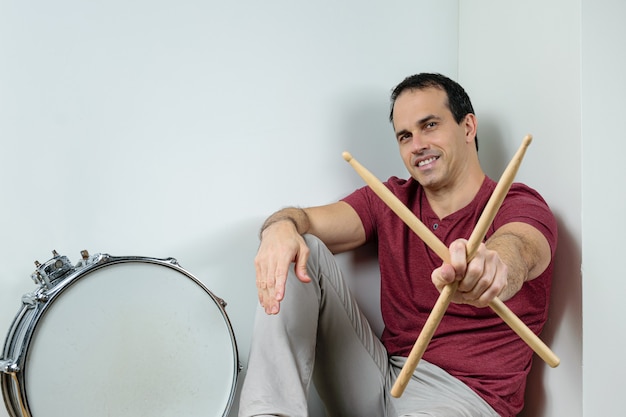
[403,137]
[431,125]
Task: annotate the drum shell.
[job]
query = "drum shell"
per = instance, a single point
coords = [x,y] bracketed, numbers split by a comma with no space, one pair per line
[31,321]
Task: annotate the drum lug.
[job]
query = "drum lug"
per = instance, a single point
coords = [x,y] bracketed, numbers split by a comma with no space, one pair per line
[221,301]
[48,273]
[172,261]
[41,296]
[9,367]
[31,299]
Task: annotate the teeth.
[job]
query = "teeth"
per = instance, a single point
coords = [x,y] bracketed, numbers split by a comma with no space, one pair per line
[426,161]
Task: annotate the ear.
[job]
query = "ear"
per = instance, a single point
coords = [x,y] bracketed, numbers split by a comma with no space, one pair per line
[471,124]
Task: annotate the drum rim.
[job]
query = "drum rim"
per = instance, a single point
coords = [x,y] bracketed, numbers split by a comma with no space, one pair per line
[36,304]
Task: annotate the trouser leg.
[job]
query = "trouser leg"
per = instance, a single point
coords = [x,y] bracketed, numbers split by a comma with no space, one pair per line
[320,331]
[351,371]
[435,393]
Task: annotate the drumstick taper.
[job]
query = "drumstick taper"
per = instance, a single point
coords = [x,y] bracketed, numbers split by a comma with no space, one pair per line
[442,251]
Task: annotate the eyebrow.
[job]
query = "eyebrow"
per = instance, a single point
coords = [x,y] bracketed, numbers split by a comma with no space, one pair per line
[427,118]
[419,123]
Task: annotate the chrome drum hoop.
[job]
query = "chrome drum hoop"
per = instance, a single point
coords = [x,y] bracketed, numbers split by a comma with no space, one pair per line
[157,340]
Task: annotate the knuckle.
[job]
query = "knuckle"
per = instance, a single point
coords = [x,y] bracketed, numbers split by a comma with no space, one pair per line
[458,244]
[474,269]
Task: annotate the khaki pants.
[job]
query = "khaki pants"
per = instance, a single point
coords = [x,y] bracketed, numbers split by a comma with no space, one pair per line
[321,335]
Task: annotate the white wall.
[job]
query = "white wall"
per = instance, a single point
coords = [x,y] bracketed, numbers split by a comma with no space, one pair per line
[604,205]
[521,62]
[169,128]
[556,69]
[173,128]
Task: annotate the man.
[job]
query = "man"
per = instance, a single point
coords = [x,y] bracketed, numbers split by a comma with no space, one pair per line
[310,327]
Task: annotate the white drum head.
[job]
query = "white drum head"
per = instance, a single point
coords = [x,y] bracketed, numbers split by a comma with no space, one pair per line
[132,339]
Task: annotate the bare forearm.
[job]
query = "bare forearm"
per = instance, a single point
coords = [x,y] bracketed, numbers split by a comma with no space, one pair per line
[507,246]
[525,253]
[336,224]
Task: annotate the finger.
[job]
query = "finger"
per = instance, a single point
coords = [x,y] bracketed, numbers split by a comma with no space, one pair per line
[489,283]
[265,286]
[473,273]
[443,276]
[498,284]
[276,289]
[269,301]
[480,287]
[301,260]
[260,284]
[275,285]
[458,257]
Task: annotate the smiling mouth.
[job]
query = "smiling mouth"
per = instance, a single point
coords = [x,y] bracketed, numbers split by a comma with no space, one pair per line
[427,161]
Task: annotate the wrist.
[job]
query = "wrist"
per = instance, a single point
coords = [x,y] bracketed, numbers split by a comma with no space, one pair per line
[274,220]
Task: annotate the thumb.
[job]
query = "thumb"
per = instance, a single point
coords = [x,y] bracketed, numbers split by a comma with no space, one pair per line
[300,268]
[443,276]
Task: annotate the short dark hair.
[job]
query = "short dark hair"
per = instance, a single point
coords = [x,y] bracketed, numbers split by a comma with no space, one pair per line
[459,102]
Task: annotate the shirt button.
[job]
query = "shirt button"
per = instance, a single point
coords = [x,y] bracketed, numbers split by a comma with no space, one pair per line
[435,226]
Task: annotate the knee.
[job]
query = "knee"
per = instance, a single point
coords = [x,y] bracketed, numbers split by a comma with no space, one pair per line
[319,255]
[313,242]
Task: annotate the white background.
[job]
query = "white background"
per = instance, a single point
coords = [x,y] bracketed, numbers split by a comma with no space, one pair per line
[523,61]
[174,128]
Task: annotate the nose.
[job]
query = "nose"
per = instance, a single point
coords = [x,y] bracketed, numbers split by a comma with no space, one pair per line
[418,144]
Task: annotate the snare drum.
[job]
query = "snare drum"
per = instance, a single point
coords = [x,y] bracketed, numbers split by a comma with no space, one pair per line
[119,336]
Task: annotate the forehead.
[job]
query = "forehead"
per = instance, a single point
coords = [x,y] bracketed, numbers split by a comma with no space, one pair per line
[413,105]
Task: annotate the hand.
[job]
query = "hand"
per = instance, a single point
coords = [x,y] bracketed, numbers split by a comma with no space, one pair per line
[281,245]
[480,280]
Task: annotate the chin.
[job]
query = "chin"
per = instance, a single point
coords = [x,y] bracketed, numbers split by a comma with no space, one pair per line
[427,181]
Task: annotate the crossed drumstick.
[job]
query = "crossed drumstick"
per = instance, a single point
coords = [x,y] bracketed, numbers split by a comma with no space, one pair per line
[477,236]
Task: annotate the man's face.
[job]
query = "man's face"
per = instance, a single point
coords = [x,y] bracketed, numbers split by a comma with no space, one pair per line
[433,146]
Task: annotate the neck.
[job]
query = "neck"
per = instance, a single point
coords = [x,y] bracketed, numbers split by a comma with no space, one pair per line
[449,199]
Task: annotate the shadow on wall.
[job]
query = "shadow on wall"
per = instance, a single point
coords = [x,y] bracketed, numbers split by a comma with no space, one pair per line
[566,295]
[492,152]
[380,156]
[224,259]
[566,300]
[361,272]
[368,135]
[224,262]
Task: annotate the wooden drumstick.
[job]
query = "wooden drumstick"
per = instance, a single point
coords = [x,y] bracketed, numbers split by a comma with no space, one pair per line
[496,199]
[477,236]
[442,251]
[415,224]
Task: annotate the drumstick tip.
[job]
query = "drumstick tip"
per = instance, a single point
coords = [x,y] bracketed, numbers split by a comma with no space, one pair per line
[346,155]
[527,139]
